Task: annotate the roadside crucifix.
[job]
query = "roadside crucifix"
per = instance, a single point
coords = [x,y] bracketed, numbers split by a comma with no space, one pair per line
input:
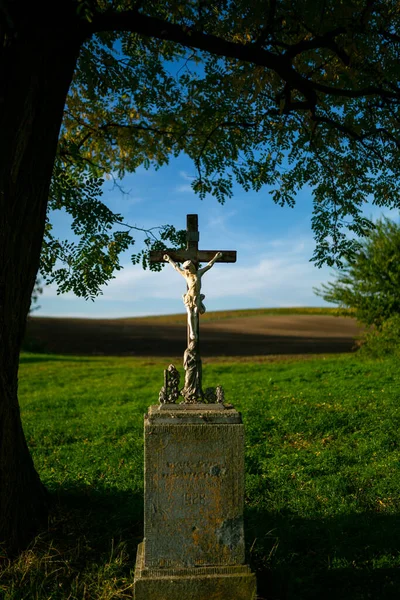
[193,543]
[193,301]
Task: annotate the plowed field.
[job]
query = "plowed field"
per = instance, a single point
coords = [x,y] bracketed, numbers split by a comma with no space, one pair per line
[238,336]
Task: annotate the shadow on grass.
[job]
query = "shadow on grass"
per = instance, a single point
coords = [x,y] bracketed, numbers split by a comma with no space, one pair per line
[89,552]
[100,516]
[353,557]
[349,557]
[42,358]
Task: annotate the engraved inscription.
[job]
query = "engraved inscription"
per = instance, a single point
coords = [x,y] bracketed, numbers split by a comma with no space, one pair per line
[193,470]
[190,499]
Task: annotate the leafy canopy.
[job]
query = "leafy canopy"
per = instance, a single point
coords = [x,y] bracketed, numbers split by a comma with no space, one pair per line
[369,283]
[283,93]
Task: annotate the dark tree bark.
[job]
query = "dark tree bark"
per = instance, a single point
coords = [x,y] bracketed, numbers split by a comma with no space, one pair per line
[36,68]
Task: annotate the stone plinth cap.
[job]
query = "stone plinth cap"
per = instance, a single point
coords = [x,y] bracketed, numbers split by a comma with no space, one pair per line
[192,413]
[197,406]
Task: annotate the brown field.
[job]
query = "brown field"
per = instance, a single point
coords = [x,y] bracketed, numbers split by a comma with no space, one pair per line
[263,335]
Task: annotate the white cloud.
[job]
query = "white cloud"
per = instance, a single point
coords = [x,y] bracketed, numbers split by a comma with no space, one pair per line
[221,219]
[185,189]
[185,175]
[278,279]
[275,272]
[273,278]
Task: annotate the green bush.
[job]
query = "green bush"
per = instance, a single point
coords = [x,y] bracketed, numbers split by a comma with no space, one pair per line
[369,283]
[383,341]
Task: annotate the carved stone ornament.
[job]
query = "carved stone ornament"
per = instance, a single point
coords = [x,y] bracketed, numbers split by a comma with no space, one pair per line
[214,395]
[192,390]
[170,393]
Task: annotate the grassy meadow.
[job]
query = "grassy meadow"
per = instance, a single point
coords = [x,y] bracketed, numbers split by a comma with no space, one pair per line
[322,482]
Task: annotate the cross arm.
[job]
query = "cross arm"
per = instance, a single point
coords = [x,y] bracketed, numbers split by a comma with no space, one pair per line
[228,256]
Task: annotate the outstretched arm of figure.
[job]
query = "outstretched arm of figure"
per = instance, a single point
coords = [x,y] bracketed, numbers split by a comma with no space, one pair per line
[210,264]
[173,264]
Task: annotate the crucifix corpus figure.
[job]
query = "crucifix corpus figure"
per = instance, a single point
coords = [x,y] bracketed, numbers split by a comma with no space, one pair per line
[193,300]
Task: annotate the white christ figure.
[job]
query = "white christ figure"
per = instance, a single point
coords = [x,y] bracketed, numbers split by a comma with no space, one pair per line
[193,300]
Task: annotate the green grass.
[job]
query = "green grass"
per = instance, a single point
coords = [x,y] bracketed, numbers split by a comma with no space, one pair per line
[322,474]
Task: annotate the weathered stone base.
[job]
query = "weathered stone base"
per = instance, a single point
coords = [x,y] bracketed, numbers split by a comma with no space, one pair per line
[198,583]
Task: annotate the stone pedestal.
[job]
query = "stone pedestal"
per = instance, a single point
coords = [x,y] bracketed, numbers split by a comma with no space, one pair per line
[193,524]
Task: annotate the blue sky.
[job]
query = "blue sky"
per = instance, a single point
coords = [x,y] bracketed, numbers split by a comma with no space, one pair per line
[274,246]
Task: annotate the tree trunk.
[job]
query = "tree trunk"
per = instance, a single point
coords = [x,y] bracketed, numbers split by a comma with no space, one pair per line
[36,70]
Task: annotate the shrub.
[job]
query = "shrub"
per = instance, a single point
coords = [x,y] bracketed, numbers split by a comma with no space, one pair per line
[369,283]
[385,341]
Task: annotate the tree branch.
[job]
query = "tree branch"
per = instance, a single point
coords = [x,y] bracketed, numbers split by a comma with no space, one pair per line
[244,124]
[260,41]
[247,52]
[359,137]
[321,41]
[181,34]
[93,131]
